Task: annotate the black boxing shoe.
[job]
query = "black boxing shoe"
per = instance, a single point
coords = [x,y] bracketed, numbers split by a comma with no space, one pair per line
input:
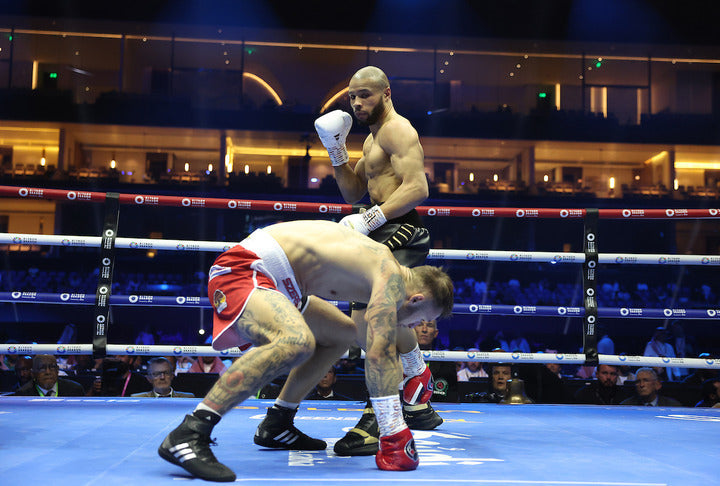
[188,446]
[277,431]
[421,417]
[361,440]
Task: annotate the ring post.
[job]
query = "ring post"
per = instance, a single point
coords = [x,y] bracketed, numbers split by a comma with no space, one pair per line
[104,288]
[589,287]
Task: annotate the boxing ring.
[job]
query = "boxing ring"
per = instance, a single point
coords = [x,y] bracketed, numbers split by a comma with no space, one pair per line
[114,440]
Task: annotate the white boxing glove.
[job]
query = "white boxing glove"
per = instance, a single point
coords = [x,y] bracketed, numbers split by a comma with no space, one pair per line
[333,129]
[365,222]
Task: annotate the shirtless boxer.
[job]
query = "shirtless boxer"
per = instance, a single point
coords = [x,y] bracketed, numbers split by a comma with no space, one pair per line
[261,294]
[392,171]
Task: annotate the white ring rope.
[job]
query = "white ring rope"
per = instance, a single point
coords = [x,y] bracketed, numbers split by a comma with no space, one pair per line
[478,356]
[437,254]
[472,255]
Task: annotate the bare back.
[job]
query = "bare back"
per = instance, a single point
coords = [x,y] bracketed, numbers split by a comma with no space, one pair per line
[332,261]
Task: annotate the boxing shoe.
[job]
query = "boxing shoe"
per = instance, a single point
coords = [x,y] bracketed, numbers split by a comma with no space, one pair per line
[397,452]
[421,417]
[361,440]
[188,446]
[333,129]
[277,431]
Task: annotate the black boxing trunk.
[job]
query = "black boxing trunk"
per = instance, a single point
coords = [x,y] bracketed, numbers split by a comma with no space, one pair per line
[408,240]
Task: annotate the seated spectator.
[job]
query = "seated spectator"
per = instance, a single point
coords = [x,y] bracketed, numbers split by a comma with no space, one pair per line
[23,371]
[520,344]
[625,374]
[547,383]
[183,364]
[658,346]
[500,373]
[699,375]
[710,393]
[117,380]
[324,390]
[46,382]
[605,345]
[585,372]
[160,375]
[443,372]
[208,364]
[472,369]
[647,386]
[604,390]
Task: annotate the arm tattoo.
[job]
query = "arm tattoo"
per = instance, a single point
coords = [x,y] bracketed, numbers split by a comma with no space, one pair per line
[382,368]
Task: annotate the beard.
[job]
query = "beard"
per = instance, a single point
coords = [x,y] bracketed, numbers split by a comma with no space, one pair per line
[374,115]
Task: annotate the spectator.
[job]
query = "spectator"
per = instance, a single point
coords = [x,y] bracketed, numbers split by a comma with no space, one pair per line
[46,382]
[604,390]
[710,393]
[605,345]
[682,348]
[160,375]
[625,374]
[117,380]
[325,389]
[23,371]
[658,346]
[183,364]
[519,344]
[500,373]
[443,372]
[647,387]
[545,383]
[472,369]
[208,364]
[699,375]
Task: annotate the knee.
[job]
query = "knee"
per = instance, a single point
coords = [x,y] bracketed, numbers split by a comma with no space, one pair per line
[346,334]
[300,345]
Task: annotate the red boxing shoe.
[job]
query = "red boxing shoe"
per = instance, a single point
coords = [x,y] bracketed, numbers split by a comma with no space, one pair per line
[397,452]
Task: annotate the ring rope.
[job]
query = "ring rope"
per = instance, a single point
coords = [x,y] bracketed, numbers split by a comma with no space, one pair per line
[478,356]
[484,309]
[330,208]
[436,254]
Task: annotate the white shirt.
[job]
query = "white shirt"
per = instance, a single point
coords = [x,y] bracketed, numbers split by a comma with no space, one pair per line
[465,374]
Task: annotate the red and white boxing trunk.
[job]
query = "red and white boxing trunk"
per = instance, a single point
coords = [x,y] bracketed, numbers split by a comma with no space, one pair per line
[257,262]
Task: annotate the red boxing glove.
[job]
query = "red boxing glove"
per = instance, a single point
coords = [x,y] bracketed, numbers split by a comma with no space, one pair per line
[418,389]
[397,452]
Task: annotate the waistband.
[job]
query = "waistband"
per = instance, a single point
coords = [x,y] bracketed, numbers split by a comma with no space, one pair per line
[273,263]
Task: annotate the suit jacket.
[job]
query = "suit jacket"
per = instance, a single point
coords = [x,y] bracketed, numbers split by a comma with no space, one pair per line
[66,388]
[173,394]
[662,401]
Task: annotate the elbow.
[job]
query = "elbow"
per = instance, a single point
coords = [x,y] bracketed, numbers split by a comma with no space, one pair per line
[423,192]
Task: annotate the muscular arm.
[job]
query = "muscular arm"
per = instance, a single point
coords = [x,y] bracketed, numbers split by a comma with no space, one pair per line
[352,182]
[401,142]
[382,367]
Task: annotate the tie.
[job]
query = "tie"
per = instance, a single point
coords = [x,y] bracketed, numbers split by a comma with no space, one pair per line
[49,393]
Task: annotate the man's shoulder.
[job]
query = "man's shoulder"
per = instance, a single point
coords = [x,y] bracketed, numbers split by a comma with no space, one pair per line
[668,401]
[180,394]
[27,390]
[142,394]
[68,387]
[395,126]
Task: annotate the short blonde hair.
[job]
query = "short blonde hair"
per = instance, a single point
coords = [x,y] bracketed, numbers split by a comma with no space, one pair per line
[438,284]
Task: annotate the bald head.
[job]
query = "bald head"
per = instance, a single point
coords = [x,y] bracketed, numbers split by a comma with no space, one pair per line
[373,75]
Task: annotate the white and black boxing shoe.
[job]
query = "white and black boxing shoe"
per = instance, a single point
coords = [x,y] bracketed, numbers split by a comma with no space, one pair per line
[277,431]
[188,446]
